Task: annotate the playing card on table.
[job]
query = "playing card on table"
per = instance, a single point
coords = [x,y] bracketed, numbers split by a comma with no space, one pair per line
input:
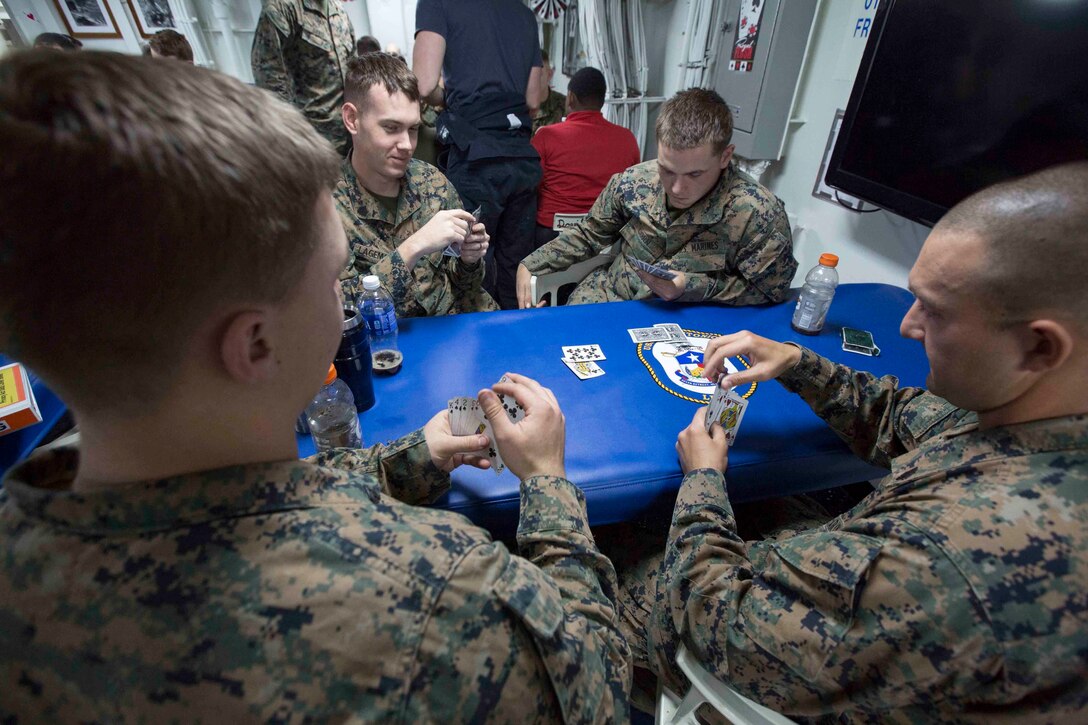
[648,334]
[727,410]
[676,333]
[584,370]
[583,353]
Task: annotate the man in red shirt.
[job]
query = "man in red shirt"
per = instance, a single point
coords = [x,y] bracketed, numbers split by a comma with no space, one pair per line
[580,154]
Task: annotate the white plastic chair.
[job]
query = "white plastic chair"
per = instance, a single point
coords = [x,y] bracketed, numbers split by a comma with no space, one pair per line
[705,687]
[549,284]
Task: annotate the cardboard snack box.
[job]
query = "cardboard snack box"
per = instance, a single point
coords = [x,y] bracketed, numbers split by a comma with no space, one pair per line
[18,409]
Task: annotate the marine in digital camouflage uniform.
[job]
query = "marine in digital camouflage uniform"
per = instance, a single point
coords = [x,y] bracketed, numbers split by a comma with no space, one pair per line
[300,590]
[734,245]
[955,591]
[299,51]
[183,565]
[552,110]
[437,285]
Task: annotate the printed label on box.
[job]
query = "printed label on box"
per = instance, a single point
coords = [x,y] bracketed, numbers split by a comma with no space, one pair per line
[11,389]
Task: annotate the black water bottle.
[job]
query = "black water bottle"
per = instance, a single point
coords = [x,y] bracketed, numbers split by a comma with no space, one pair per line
[353,363]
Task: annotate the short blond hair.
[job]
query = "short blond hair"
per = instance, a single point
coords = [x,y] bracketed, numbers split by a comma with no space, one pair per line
[695,117]
[137,196]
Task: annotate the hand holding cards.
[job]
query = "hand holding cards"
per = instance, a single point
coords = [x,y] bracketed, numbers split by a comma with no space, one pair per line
[652,269]
[467,417]
[454,250]
[727,410]
[523,419]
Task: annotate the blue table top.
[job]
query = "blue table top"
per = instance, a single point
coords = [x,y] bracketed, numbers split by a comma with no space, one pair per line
[622,426]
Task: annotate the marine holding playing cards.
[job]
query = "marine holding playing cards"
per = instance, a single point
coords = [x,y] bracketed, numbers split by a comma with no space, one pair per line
[182,564]
[403,217]
[707,231]
[958,590]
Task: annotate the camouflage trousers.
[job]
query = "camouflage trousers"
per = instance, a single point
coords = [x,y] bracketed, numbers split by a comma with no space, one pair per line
[596,287]
[637,550]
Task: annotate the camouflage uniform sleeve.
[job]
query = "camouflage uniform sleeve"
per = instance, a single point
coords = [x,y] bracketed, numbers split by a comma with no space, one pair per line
[537,643]
[765,265]
[403,467]
[399,281]
[802,624]
[266,56]
[874,416]
[466,280]
[585,652]
[395,276]
[588,238]
[351,282]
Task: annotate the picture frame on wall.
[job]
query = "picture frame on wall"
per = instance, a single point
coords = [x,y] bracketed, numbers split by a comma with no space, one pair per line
[152,16]
[88,18]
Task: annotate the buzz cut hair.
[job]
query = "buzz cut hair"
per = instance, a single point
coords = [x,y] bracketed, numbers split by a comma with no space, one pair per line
[695,117]
[372,69]
[1034,230]
[139,197]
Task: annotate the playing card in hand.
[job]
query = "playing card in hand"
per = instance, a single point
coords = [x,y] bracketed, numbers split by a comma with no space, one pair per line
[467,418]
[484,426]
[454,249]
[510,405]
[461,411]
[652,269]
[727,410]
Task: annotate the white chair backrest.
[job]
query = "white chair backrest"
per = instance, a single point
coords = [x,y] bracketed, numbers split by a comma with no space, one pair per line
[672,710]
[549,284]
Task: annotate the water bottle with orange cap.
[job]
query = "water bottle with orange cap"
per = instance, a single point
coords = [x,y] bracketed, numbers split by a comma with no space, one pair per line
[334,422]
[816,295]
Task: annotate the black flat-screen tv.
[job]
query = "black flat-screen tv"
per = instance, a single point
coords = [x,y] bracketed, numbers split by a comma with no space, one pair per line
[955,95]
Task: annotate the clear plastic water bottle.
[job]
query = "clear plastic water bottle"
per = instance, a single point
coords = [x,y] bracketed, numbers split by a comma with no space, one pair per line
[334,422]
[380,316]
[816,295]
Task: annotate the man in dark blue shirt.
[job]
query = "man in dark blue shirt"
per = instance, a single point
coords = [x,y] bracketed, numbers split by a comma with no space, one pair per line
[488,52]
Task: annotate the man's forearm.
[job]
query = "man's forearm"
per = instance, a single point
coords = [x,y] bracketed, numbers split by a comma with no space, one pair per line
[568,248]
[726,288]
[403,467]
[873,415]
[410,250]
[427,57]
[396,276]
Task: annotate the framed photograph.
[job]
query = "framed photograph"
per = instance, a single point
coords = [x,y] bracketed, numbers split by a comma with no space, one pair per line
[152,16]
[88,18]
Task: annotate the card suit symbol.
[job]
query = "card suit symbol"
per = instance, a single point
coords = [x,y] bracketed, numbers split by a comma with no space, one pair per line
[31,17]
